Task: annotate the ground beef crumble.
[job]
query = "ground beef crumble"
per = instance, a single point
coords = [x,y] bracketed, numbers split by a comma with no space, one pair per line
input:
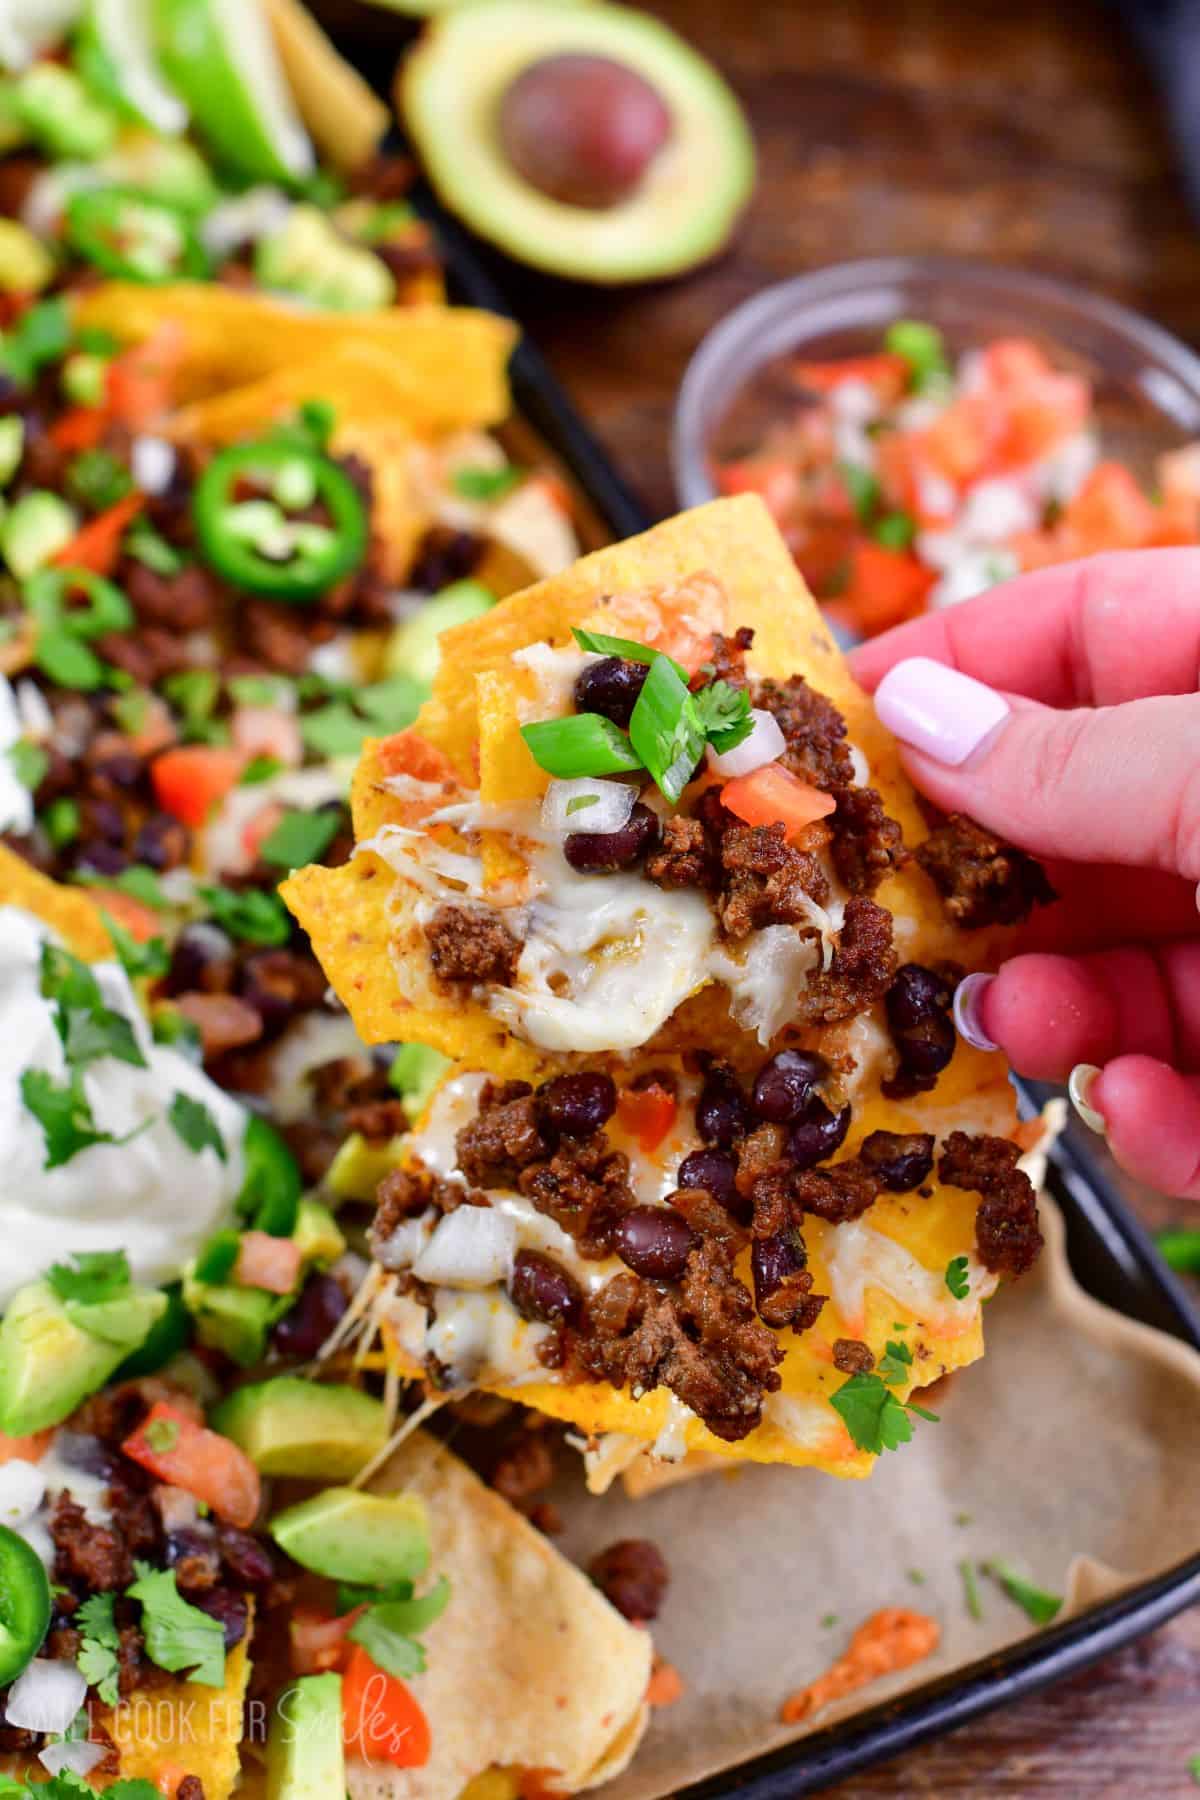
[633,1575]
[982,880]
[861,972]
[852,1356]
[767,882]
[471,946]
[1006,1223]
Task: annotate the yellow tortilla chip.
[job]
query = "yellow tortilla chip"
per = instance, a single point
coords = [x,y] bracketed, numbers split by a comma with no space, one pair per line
[448,363]
[186,1726]
[69,911]
[529,1667]
[344,115]
[361,381]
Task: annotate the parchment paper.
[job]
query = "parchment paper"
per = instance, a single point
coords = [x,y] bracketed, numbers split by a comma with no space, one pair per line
[1071,1451]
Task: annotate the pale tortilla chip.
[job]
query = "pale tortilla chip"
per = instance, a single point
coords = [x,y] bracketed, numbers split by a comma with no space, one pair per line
[345,117]
[69,911]
[448,363]
[529,1667]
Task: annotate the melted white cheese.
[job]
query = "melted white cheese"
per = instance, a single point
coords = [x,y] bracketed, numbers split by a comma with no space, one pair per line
[16,800]
[863,1258]
[151,1196]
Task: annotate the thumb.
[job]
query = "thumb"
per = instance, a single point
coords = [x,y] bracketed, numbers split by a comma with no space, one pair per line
[1113,784]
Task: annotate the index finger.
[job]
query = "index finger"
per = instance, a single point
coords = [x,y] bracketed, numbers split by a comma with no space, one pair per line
[1116,627]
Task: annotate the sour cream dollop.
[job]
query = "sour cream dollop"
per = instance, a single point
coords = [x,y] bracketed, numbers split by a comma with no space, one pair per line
[153,1197]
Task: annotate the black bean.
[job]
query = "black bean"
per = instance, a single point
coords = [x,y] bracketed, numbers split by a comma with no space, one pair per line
[123,769]
[162,842]
[633,1576]
[83,1451]
[722,1113]
[576,1105]
[193,1551]
[611,687]
[301,1332]
[772,1260]
[902,1161]
[818,1134]
[103,859]
[713,1170]
[602,852]
[541,1289]
[654,1241]
[229,1609]
[202,961]
[784,1084]
[104,819]
[245,1558]
[918,1009]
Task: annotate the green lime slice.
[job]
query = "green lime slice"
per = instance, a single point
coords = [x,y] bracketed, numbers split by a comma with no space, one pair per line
[220,56]
[116,52]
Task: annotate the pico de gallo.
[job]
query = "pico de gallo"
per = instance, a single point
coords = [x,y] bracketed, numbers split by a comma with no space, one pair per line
[905,480]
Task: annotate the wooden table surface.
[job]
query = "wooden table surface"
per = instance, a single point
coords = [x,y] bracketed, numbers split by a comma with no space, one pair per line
[998,129]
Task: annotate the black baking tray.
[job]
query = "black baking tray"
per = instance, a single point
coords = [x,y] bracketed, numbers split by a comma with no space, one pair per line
[1111,1255]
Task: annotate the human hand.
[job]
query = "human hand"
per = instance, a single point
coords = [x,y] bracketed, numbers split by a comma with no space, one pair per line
[1084,748]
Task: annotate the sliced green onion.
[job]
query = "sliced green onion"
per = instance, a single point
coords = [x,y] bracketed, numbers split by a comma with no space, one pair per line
[603,645]
[584,744]
[666,729]
[921,346]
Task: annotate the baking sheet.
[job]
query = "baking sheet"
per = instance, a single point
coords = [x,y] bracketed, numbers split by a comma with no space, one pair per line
[1070,1451]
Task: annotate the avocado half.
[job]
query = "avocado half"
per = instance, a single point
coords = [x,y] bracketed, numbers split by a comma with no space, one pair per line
[684,208]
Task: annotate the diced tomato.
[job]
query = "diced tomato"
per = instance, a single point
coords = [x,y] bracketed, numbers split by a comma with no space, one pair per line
[1014,362]
[169,1777]
[1040,418]
[407,753]
[189,781]
[24,1449]
[665,1686]
[886,372]
[771,477]
[98,545]
[1109,512]
[687,640]
[266,731]
[381,1720]
[823,555]
[958,443]
[177,1450]
[647,1114]
[140,920]
[268,1262]
[1178,473]
[79,429]
[885,587]
[317,1641]
[139,382]
[773,795]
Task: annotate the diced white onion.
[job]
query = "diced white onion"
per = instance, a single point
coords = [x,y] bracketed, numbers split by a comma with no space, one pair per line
[587,804]
[152,464]
[80,1757]
[765,742]
[22,1490]
[33,709]
[473,1247]
[46,1697]
[177,1509]
[37,1536]
[257,213]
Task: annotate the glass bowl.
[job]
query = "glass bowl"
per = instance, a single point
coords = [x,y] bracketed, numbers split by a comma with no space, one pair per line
[1146,383]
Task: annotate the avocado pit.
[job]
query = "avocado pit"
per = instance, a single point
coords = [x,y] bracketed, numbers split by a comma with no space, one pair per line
[582,129]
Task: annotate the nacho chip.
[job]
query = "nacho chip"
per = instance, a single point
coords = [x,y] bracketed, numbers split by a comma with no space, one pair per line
[69,911]
[529,1667]
[185,1725]
[448,363]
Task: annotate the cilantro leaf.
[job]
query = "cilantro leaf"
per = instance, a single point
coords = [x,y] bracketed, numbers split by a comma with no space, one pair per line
[874,1417]
[957,1279]
[87,1027]
[301,838]
[151,958]
[725,715]
[895,1364]
[61,1109]
[259,768]
[29,763]
[178,1635]
[194,1124]
[349,1596]
[1034,1601]
[97,1659]
[485,484]
[862,487]
[91,1276]
[139,881]
[387,1630]
[133,1788]
[253,917]
[966,1569]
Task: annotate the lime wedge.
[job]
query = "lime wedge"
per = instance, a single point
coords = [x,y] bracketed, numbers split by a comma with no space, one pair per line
[116,51]
[220,56]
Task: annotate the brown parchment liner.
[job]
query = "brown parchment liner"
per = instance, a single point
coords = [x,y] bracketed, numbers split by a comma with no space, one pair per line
[1071,1449]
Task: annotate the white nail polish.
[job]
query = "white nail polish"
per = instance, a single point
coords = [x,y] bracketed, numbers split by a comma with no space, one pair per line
[1079,1086]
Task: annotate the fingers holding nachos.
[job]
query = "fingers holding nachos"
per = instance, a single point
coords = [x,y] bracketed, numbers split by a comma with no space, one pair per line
[714,1171]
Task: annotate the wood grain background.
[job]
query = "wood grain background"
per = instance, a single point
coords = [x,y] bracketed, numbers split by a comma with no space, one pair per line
[997,129]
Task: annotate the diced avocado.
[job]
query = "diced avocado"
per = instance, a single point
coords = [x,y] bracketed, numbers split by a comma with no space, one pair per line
[34,528]
[234,1320]
[308,256]
[369,1539]
[455,89]
[170,1334]
[315,1432]
[359,1166]
[305,1755]
[169,170]
[413,647]
[115,54]
[415,1072]
[12,446]
[320,1241]
[49,1362]
[25,263]
[220,57]
[60,115]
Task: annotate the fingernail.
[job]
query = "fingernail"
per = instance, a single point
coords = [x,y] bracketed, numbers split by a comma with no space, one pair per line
[1079,1085]
[968,999]
[938,710]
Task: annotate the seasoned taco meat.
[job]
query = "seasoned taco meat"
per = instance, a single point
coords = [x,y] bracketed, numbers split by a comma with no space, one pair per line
[982,879]
[471,946]
[864,963]
[1006,1224]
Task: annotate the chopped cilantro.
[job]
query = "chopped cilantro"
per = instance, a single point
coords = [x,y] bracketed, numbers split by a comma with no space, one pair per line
[301,838]
[151,959]
[917,1577]
[259,768]
[957,1279]
[828,1621]
[61,1109]
[1034,1601]
[875,1418]
[334,730]
[138,881]
[725,715]
[91,1276]
[41,335]
[192,1122]
[253,917]
[130,710]
[895,531]
[97,480]
[178,1635]
[486,484]
[258,690]
[62,821]
[387,1630]
[895,1363]
[338,729]
[89,1029]
[194,694]
[97,1659]
[176,1031]
[966,1569]
[162,1435]
[29,762]
[1180,1250]
[862,487]
[151,549]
